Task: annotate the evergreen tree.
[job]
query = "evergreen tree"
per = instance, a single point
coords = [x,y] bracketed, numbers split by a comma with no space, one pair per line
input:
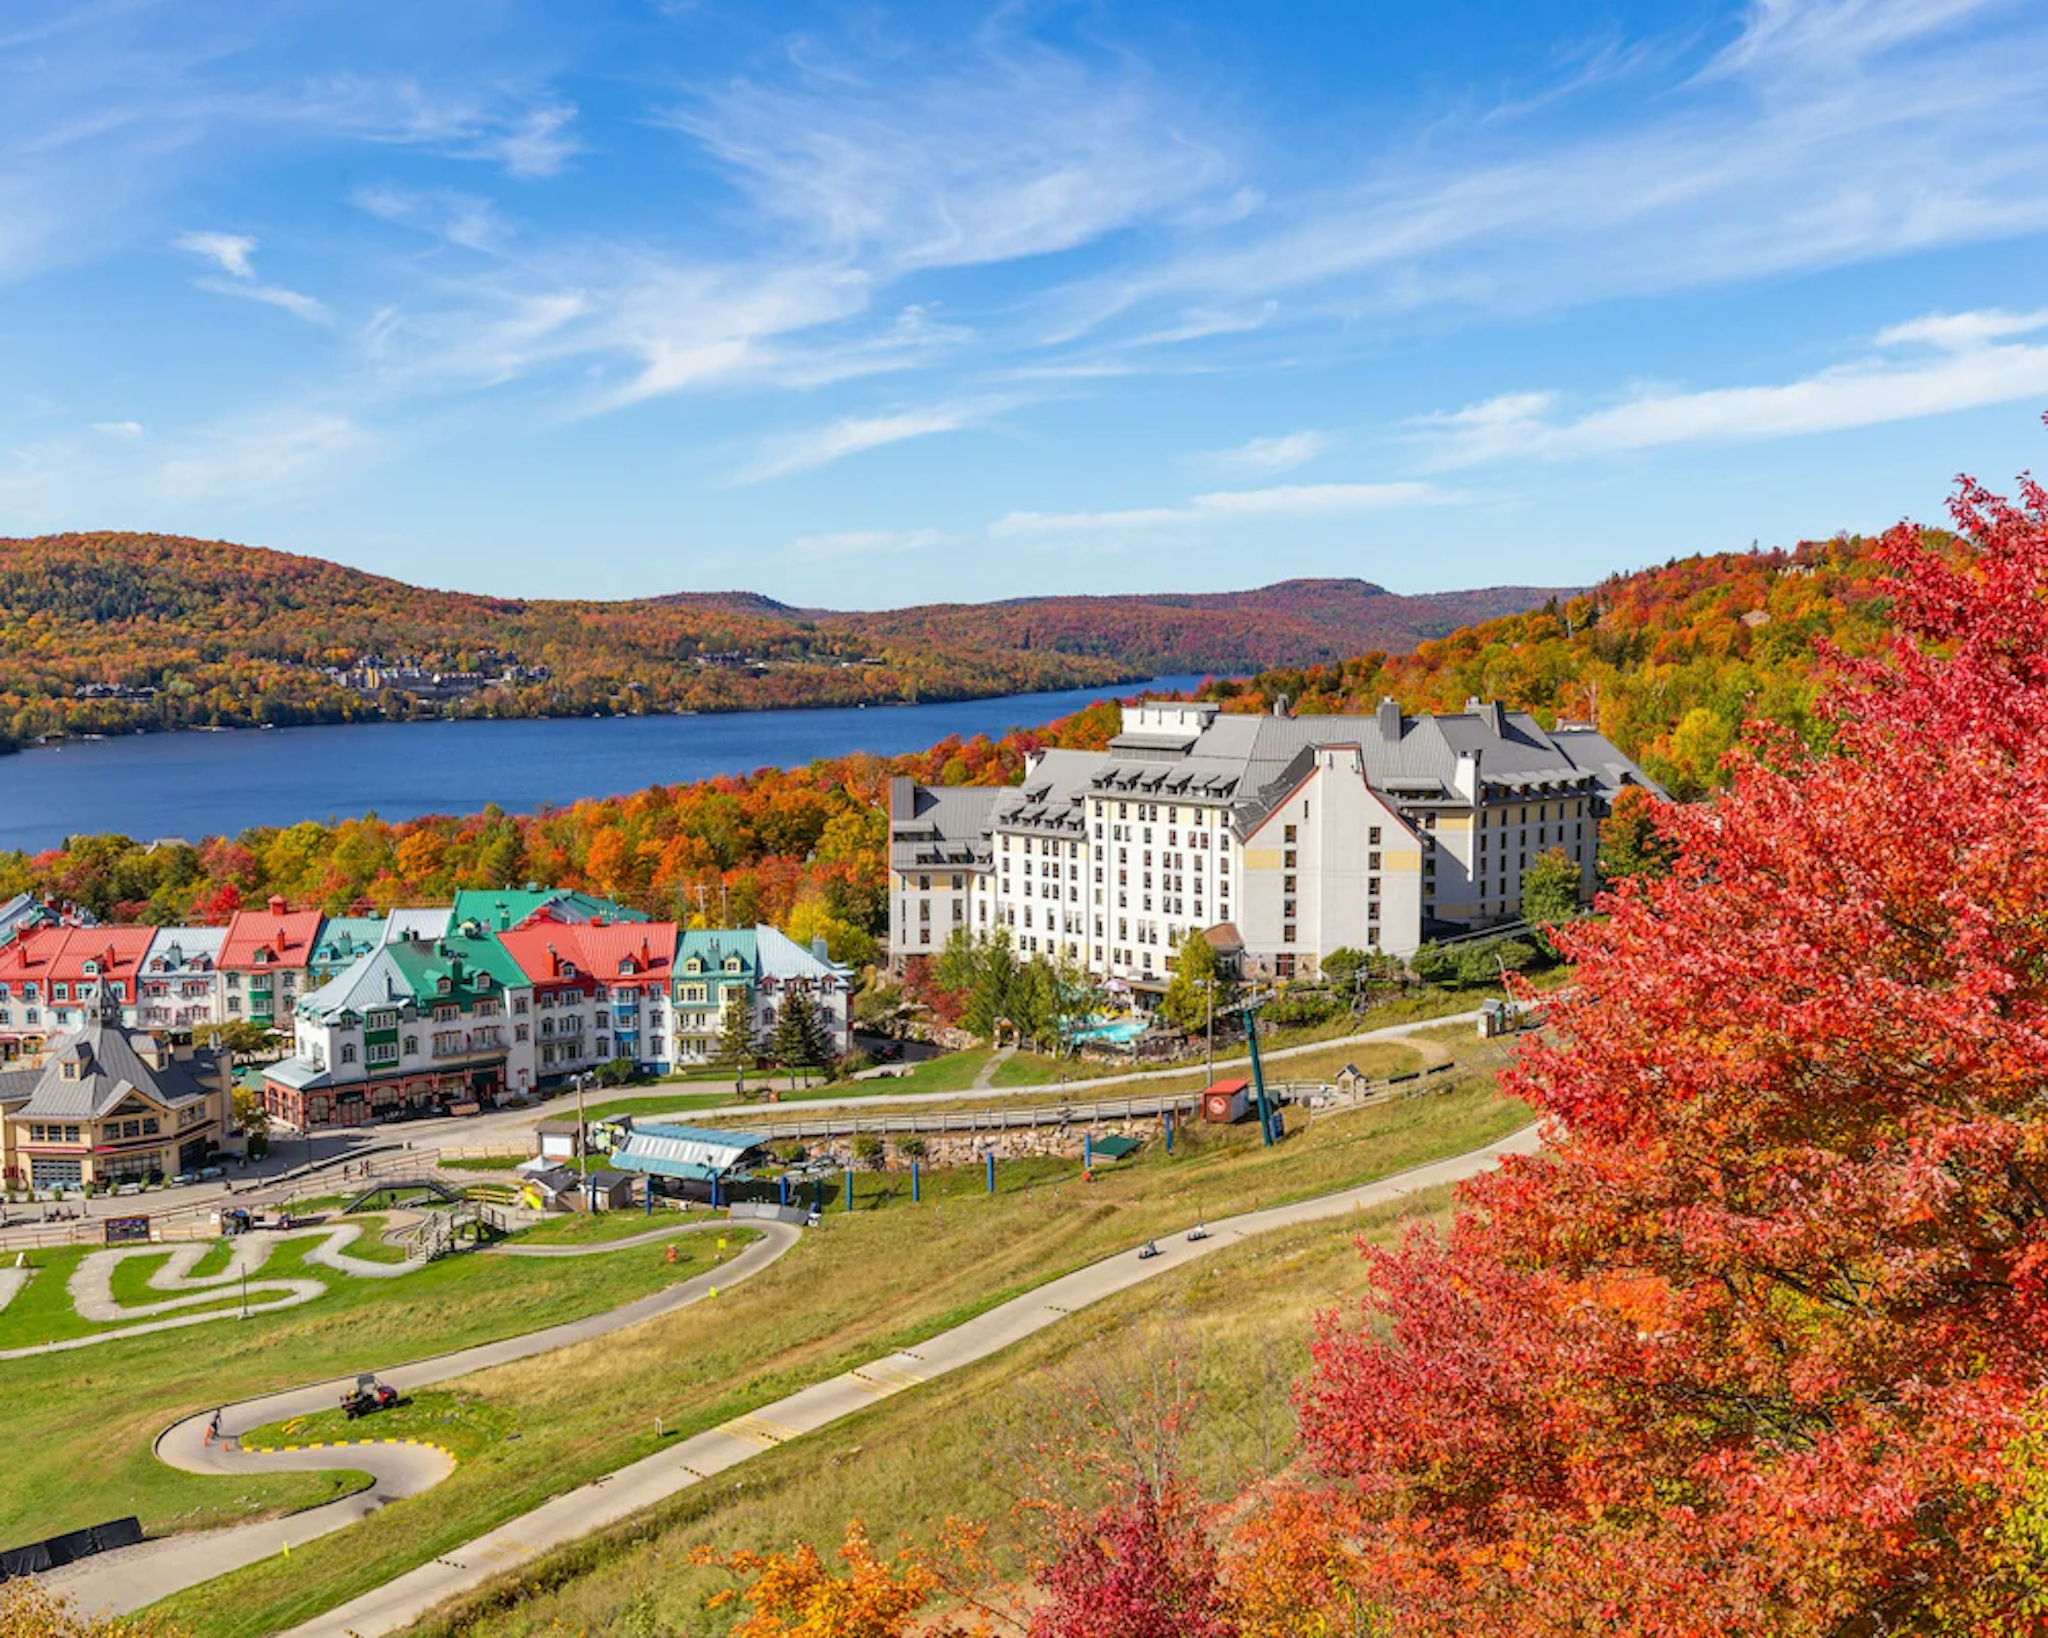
[794,1043]
[736,1046]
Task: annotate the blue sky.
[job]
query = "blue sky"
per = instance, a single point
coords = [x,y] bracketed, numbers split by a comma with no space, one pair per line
[859,305]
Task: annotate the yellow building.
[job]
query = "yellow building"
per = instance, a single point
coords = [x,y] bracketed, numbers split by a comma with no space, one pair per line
[106,1104]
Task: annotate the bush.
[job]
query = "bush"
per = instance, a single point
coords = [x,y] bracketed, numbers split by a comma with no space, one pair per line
[911,1148]
[1298,1008]
[853,1063]
[616,1073]
[871,1150]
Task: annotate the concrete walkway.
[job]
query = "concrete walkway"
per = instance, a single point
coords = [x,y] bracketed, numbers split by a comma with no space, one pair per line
[126,1580]
[614,1496]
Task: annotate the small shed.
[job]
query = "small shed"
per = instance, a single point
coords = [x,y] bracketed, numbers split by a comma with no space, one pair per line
[558,1139]
[1113,1148]
[553,1189]
[1350,1079]
[609,1190]
[1227,1102]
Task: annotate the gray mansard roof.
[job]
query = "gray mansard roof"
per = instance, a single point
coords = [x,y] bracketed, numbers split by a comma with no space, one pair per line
[87,1074]
[939,827]
[1247,763]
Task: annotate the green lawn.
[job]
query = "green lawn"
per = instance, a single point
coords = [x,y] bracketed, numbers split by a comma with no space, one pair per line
[580,1229]
[1236,1327]
[878,1278]
[80,1423]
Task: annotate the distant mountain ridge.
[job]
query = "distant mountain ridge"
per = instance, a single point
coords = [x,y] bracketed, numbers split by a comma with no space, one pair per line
[113,633]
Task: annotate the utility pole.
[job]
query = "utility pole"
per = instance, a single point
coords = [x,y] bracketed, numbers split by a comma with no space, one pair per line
[1209,985]
[583,1148]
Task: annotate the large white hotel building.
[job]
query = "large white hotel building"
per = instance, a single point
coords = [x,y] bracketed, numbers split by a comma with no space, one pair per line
[1282,838]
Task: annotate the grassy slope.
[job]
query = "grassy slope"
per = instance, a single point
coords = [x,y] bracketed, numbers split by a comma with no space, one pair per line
[875,1279]
[1237,1327]
[80,1424]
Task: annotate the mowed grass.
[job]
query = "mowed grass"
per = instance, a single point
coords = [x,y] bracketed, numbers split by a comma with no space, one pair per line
[1233,1331]
[581,1229]
[80,1423]
[881,1277]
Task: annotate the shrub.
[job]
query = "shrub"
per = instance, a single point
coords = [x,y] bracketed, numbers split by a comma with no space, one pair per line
[871,1150]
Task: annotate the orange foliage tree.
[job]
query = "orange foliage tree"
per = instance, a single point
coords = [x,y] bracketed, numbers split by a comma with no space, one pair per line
[1760,1343]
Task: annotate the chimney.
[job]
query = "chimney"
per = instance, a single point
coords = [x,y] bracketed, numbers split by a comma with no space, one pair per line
[1390,720]
[277,905]
[1280,707]
[1465,780]
[819,948]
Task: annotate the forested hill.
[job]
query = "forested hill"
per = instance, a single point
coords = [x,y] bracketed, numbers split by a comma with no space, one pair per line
[1297,622]
[107,633]
[1669,661]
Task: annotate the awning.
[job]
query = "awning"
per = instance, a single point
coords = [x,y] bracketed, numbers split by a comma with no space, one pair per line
[662,1166]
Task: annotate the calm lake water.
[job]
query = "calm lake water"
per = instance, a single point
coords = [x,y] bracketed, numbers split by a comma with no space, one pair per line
[194,785]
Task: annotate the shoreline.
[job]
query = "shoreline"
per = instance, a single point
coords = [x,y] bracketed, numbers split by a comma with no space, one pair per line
[58,742]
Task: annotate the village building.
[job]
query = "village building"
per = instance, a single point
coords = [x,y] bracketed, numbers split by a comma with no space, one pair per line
[109,1105]
[266,964]
[600,993]
[181,979]
[758,968]
[416,1026]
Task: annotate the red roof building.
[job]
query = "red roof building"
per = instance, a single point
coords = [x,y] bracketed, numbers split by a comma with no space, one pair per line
[600,993]
[265,961]
[50,977]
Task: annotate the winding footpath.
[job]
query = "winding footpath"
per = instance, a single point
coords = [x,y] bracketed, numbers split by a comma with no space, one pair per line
[125,1581]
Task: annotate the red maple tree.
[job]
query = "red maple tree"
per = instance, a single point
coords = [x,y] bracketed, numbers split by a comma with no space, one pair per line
[1759,1343]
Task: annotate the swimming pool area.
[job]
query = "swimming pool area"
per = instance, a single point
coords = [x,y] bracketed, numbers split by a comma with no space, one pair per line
[1120,1032]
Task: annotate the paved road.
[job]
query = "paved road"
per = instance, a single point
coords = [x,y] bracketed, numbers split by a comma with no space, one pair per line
[126,1580]
[613,1496]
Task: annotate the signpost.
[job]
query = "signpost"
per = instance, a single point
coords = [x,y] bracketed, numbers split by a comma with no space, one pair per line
[126,1231]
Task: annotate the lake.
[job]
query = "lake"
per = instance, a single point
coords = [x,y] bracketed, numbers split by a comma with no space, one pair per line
[201,784]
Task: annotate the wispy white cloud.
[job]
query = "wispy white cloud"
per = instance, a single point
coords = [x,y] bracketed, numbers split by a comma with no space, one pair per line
[1828,133]
[1270,455]
[998,150]
[118,429]
[228,251]
[1927,366]
[231,252]
[278,453]
[1313,500]
[463,219]
[845,543]
[855,434]
[538,144]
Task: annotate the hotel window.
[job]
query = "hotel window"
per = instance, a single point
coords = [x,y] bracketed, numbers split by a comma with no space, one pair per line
[1287,933]
[1372,836]
[1372,912]
[1372,861]
[1289,836]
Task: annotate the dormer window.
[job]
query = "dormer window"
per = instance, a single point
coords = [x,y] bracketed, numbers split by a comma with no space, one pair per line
[693,965]
[445,986]
[732,964]
[91,968]
[626,967]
